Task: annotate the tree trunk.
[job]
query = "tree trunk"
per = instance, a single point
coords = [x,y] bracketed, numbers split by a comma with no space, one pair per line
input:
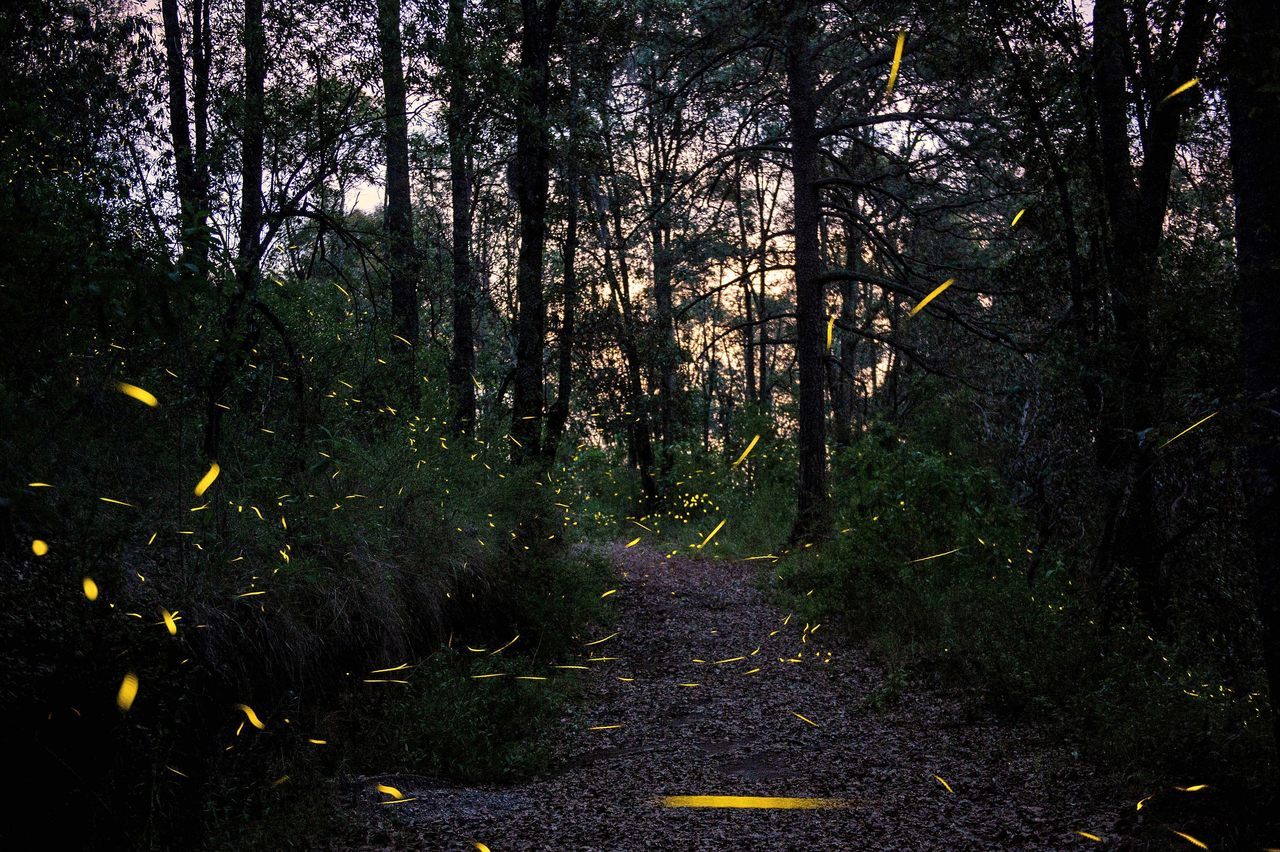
[190,220]
[663,267]
[744,262]
[559,414]
[530,176]
[844,366]
[812,505]
[402,262]
[1136,213]
[462,363]
[1253,106]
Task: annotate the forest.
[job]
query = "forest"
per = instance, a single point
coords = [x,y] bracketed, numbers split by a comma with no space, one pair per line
[640,424]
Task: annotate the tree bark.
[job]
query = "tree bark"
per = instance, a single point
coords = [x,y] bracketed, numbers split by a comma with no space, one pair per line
[812,505]
[402,262]
[462,363]
[530,176]
[190,218]
[663,262]
[1253,107]
[1136,213]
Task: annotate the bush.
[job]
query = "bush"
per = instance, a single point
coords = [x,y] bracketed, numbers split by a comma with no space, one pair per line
[997,617]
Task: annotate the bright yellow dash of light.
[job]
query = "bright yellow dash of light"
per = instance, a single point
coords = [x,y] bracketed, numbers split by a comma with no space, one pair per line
[398,668]
[1195,788]
[1014,224]
[39,485]
[207,480]
[1199,844]
[390,791]
[145,397]
[314,741]
[127,692]
[934,556]
[251,716]
[769,802]
[39,548]
[1186,430]
[897,60]
[1088,835]
[712,534]
[599,641]
[944,783]
[749,448]
[480,846]
[1187,85]
[90,589]
[169,623]
[483,676]
[116,502]
[929,298]
[831,326]
[804,718]
[634,542]
[603,727]
[610,592]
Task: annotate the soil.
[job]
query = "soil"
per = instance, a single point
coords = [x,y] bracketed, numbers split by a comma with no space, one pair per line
[739,732]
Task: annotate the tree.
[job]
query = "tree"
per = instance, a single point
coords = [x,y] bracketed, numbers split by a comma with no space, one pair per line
[402,263]
[460,115]
[1253,101]
[1136,206]
[812,505]
[530,177]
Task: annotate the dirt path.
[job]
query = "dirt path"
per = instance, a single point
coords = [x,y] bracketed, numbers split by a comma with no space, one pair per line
[737,733]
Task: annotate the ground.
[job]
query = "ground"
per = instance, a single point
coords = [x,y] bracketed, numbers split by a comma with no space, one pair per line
[707,682]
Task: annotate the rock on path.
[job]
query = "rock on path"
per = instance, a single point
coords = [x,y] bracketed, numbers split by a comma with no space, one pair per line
[737,733]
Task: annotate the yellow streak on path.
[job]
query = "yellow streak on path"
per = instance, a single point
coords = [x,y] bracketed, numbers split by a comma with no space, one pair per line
[774,802]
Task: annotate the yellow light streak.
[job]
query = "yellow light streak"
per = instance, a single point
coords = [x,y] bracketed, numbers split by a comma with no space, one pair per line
[897,60]
[929,298]
[767,802]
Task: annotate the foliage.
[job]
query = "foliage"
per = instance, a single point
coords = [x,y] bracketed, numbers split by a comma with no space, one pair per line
[1002,617]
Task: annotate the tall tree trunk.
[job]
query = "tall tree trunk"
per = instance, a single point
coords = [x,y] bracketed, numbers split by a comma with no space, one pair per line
[462,363]
[402,258]
[249,253]
[663,267]
[558,416]
[530,176]
[812,505]
[844,366]
[190,220]
[744,263]
[1136,213]
[1253,106]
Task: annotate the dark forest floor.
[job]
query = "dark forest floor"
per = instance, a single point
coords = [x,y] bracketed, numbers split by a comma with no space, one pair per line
[737,733]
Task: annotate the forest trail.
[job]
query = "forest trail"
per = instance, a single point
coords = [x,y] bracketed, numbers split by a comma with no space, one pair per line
[738,733]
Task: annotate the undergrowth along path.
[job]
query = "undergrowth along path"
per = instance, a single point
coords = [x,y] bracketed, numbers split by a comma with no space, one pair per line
[710,689]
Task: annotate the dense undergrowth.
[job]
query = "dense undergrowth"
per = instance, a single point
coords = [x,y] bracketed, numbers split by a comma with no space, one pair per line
[373,541]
